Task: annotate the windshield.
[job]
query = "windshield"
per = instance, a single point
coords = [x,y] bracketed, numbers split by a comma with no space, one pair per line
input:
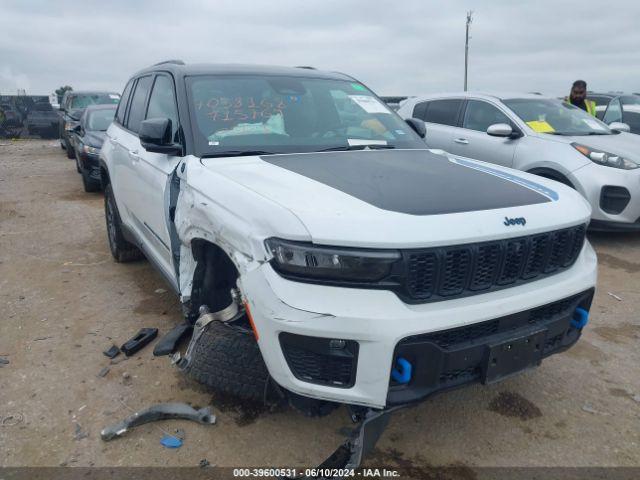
[100,119]
[279,114]
[83,101]
[556,117]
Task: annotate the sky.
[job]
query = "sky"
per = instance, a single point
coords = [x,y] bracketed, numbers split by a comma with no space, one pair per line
[406,47]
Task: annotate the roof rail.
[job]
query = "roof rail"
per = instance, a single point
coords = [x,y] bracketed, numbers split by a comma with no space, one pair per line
[175,62]
[307,67]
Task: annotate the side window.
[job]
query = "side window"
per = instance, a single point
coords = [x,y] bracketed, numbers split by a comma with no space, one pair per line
[613,113]
[162,103]
[419,110]
[444,112]
[138,101]
[122,105]
[480,115]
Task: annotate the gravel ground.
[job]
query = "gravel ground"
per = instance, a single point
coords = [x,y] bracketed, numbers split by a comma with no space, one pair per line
[63,301]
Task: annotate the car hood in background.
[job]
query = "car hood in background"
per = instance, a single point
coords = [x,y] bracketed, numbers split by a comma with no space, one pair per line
[94,138]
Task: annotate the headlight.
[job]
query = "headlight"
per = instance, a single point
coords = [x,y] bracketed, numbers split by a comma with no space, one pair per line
[604,158]
[305,260]
[90,150]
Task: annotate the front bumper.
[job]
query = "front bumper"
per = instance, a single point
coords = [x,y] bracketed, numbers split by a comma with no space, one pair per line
[91,163]
[596,183]
[378,321]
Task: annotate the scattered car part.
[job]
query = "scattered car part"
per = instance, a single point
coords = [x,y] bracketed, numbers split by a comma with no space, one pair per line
[112,352]
[12,420]
[3,362]
[163,411]
[169,441]
[103,372]
[137,343]
[168,344]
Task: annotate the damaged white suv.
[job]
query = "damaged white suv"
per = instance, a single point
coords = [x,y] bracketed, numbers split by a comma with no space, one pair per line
[341,261]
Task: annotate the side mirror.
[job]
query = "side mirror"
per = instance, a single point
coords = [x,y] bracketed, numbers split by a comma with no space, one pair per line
[417,126]
[619,127]
[500,130]
[155,136]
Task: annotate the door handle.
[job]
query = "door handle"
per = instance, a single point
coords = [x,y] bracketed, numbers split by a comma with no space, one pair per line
[463,141]
[133,155]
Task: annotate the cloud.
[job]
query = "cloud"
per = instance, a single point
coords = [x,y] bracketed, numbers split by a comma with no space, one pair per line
[407,47]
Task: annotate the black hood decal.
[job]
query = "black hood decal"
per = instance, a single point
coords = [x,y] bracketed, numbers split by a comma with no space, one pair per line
[416,182]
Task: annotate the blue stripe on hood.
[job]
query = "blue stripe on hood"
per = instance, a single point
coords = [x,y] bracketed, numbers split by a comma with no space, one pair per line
[507,176]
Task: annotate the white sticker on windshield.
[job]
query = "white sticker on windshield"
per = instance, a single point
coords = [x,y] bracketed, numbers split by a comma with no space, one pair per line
[593,124]
[369,104]
[115,97]
[362,141]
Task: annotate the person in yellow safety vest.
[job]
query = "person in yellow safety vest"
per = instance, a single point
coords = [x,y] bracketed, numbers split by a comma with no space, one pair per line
[578,97]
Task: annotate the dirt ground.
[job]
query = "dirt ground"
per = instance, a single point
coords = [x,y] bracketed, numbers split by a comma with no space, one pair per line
[63,301]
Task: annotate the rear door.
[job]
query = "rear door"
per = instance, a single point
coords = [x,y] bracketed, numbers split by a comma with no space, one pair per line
[440,116]
[124,177]
[471,139]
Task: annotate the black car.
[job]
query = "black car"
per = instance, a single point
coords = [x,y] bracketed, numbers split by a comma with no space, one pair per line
[618,107]
[88,137]
[42,120]
[72,106]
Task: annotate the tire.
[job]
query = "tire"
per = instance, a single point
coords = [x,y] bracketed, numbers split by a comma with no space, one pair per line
[70,151]
[78,169]
[229,362]
[89,184]
[122,250]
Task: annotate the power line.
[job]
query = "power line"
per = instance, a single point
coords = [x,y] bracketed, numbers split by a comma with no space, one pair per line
[466,48]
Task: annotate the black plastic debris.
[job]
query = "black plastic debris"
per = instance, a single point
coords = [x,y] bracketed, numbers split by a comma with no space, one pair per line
[168,344]
[137,343]
[112,352]
[3,362]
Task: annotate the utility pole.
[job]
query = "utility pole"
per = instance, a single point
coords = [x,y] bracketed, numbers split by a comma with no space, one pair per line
[466,48]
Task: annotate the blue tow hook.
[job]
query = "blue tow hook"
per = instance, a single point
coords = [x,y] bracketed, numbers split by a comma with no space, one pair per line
[580,318]
[401,373]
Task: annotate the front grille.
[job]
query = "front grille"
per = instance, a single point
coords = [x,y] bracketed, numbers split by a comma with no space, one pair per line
[459,271]
[454,337]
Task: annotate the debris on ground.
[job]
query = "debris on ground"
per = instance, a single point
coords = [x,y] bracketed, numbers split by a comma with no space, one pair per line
[180,433]
[79,433]
[103,372]
[160,290]
[12,420]
[169,441]
[112,351]
[614,296]
[126,378]
[163,411]
[3,362]
[139,341]
[590,409]
[204,463]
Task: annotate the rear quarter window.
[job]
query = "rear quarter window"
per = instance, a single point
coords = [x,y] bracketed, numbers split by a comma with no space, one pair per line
[444,112]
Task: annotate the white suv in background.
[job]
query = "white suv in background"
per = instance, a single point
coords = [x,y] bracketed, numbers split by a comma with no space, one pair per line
[543,136]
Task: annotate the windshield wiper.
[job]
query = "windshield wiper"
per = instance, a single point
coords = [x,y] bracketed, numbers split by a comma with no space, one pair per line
[345,148]
[238,153]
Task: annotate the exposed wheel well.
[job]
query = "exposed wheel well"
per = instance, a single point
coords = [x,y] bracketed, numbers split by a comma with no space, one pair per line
[552,175]
[214,277]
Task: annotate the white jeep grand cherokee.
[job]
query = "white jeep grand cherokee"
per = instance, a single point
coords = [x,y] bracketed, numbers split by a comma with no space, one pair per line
[319,248]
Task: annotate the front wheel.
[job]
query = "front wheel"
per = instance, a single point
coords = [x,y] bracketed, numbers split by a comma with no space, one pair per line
[122,250]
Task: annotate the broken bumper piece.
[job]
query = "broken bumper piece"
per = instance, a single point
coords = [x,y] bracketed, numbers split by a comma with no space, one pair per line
[163,411]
